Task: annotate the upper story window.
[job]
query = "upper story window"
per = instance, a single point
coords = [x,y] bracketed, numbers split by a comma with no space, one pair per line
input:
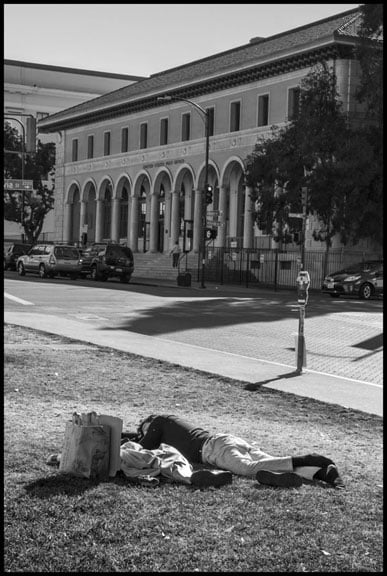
[163,131]
[235,116]
[186,126]
[106,143]
[124,139]
[74,152]
[144,135]
[211,120]
[263,110]
[90,146]
[293,103]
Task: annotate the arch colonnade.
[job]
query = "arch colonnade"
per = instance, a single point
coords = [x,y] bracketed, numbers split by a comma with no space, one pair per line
[151,214]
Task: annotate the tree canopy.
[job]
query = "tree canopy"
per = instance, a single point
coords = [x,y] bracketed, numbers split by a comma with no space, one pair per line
[319,150]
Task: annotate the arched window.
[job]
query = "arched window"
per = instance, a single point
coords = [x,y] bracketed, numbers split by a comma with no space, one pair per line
[107,218]
[162,202]
[124,213]
[142,212]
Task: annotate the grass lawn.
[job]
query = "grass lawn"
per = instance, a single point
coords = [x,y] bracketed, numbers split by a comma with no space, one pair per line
[55,523]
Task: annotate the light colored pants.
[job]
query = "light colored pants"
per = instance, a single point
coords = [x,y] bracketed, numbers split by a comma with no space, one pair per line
[236,455]
[165,461]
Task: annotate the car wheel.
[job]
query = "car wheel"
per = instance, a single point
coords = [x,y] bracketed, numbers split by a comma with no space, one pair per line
[20,269]
[125,279]
[366,291]
[94,273]
[42,271]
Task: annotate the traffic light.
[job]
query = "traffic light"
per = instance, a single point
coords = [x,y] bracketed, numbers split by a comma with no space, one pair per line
[208,194]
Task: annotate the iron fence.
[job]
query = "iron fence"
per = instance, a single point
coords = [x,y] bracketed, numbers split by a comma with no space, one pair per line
[276,268]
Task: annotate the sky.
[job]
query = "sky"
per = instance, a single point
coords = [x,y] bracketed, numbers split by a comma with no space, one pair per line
[143,39]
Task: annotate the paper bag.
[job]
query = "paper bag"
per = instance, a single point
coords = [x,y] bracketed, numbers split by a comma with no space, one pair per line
[115,425]
[86,451]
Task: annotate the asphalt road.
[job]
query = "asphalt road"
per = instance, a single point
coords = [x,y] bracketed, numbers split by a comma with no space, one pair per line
[343,337]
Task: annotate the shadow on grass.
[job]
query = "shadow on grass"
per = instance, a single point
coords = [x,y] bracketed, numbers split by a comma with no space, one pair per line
[257,385]
[59,484]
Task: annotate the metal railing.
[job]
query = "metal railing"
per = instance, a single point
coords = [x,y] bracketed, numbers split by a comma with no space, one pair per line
[277,268]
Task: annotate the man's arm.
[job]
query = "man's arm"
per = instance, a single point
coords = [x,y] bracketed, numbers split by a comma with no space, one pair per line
[153,436]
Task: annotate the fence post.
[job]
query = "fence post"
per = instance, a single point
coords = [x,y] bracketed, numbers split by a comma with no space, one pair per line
[275,268]
[247,268]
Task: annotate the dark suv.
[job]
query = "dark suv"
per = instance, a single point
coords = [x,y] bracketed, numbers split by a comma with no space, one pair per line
[103,261]
[13,253]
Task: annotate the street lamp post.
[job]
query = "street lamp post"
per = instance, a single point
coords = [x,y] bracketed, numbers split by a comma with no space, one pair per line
[205,114]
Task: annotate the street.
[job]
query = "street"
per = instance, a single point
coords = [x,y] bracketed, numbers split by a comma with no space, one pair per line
[343,337]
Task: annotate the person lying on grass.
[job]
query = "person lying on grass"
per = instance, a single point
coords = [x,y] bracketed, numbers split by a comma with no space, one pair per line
[143,466]
[228,452]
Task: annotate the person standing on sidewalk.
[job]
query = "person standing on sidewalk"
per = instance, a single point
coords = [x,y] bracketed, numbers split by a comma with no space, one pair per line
[175,254]
[234,454]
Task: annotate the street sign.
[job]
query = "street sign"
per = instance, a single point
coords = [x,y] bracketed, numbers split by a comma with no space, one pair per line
[22,185]
[295,215]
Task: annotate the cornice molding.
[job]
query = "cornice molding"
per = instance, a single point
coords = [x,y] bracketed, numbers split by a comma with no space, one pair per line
[233,79]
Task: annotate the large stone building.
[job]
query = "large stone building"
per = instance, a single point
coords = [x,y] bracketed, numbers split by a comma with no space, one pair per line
[131,167]
[34,91]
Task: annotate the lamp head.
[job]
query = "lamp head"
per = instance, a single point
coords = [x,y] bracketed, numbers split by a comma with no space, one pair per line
[164,98]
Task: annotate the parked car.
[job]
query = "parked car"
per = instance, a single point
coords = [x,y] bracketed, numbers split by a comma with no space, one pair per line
[51,260]
[13,253]
[364,280]
[107,260]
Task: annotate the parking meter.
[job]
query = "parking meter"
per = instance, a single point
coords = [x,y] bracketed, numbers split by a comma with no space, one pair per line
[303,283]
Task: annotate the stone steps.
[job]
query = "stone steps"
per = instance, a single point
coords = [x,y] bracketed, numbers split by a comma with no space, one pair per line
[157,265]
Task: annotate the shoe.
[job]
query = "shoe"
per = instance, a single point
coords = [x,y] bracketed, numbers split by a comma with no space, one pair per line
[331,475]
[279,479]
[53,460]
[207,478]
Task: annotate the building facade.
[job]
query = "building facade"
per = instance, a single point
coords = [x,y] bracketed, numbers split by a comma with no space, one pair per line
[131,168]
[34,91]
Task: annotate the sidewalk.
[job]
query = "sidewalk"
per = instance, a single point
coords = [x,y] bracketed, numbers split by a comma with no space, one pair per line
[256,373]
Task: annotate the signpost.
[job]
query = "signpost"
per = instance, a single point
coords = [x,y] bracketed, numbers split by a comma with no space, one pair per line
[18,185]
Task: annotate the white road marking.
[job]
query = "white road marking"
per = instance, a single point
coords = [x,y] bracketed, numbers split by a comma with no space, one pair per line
[19,300]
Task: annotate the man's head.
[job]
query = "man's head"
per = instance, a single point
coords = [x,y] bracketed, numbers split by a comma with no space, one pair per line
[144,425]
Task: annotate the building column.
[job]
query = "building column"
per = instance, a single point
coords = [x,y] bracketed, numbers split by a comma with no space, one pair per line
[154,223]
[175,217]
[98,220]
[133,225]
[67,223]
[82,218]
[221,239]
[197,226]
[248,219]
[115,224]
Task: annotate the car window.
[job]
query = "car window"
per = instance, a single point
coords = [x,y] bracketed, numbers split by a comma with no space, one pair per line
[69,252]
[36,251]
[115,251]
[127,251]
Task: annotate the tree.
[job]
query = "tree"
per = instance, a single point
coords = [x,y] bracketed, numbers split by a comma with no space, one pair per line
[318,150]
[370,55]
[28,209]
